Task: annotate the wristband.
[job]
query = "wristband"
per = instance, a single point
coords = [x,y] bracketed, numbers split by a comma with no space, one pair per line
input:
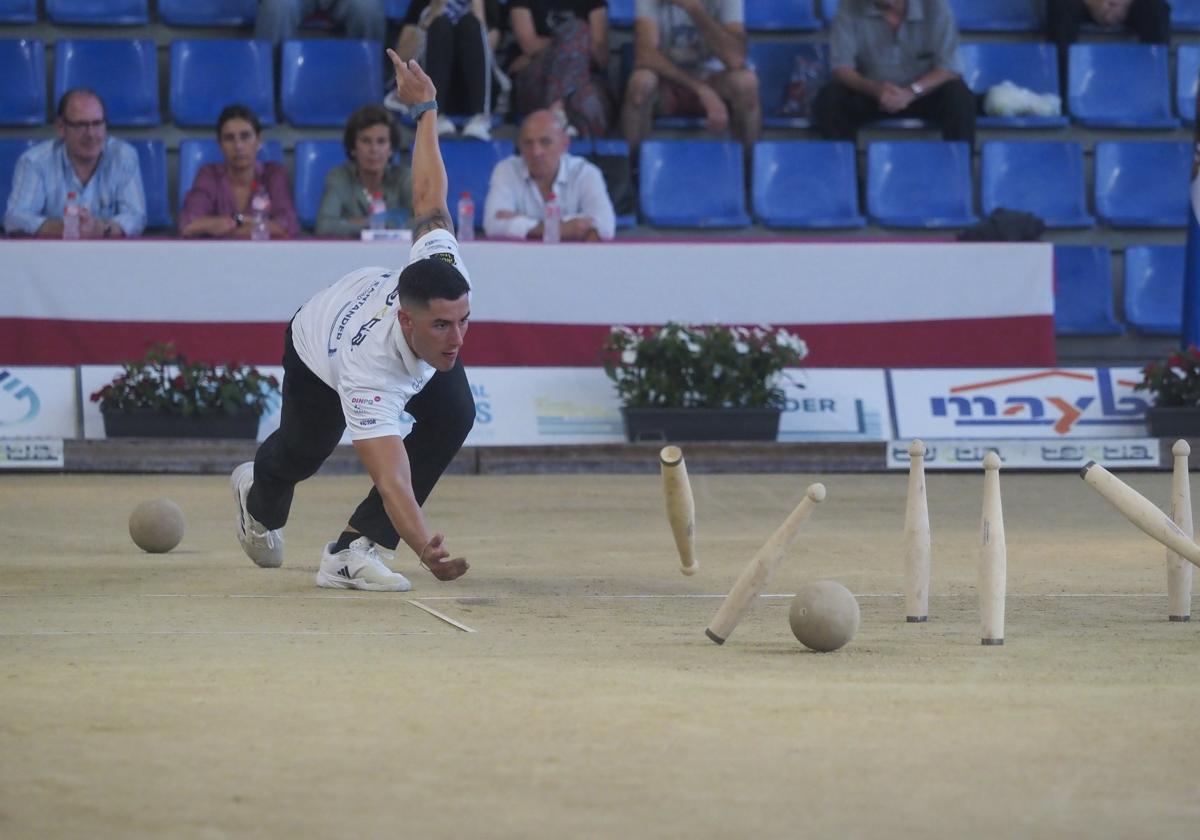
[421,108]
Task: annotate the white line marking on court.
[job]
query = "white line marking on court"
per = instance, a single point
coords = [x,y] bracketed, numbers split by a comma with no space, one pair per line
[442,616]
[209,633]
[626,597]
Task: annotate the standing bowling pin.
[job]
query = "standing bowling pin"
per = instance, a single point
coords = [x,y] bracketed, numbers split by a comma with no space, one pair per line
[1179,570]
[993,559]
[917,550]
[681,509]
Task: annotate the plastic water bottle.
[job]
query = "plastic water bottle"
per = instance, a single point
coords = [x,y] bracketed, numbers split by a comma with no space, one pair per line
[378,219]
[466,218]
[260,212]
[71,217]
[552,223]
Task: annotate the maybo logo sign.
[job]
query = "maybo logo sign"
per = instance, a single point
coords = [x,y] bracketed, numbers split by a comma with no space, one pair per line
[1045,403]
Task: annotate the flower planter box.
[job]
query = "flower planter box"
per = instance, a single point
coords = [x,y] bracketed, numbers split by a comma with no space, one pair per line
[159,425]
[1174,421]
[689,424]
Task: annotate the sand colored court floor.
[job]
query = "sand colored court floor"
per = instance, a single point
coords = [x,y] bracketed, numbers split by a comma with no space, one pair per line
[193,695]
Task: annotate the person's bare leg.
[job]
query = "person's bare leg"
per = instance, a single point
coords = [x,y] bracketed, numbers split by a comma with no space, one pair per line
[637,113]
[739,88]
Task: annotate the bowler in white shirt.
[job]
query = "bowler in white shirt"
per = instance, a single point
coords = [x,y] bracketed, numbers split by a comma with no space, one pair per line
[516,200]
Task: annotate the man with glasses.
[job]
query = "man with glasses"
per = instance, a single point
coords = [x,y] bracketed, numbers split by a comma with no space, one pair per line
[102,171]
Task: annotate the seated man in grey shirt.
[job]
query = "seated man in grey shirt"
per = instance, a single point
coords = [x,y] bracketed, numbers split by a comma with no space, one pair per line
[894,58]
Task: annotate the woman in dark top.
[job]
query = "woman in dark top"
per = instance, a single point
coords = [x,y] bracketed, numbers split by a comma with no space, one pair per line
[563,60]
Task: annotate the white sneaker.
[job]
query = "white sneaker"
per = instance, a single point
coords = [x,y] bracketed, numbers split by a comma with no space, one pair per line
[445,126]
[359,567]
[261,544]
[479,127]
[394,104]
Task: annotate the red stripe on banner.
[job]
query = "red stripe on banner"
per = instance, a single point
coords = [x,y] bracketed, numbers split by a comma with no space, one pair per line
[1022,341]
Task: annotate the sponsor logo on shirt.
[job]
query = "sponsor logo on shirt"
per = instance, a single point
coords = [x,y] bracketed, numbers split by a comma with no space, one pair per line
[444,256]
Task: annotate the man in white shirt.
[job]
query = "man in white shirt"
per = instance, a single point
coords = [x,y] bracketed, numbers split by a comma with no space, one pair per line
[376,343]
[521,184]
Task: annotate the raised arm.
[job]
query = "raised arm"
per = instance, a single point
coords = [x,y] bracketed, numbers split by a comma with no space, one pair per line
[429,183]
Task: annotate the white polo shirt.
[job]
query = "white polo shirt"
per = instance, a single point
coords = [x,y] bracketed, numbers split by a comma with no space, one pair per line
[349,336]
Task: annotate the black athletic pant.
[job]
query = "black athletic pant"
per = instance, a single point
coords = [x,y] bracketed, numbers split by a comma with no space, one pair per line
[456,52]
[1150,20]
[311,424]
[839,112]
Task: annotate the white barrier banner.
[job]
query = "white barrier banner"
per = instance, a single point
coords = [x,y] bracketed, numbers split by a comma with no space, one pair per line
[1116,453]
[37,402]
[835,404]
[31,454]
[1018,403]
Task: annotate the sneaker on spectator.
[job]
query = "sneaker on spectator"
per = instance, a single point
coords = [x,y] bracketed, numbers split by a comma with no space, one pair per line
[479,127]
[359,567]
[445,126]
[394,104]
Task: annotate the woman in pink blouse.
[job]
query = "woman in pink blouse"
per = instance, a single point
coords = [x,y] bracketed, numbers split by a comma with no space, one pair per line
[219,201]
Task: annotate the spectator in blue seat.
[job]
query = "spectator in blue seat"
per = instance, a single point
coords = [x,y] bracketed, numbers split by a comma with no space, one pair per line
[454,41]
[1150,20]
[102,171]
[279,20]
[894,58]
[516,199]
[562,61]
[370,138]
[690,61]
[219,203]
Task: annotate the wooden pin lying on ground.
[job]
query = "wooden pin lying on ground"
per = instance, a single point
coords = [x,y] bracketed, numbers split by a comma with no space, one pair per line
[993,556]
[681,509]
[917,551]
[1179,571]
[758,571]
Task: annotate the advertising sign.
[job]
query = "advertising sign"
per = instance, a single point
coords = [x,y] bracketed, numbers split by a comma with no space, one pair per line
[1018,403]
[37,402]
[1115,453]
[31,453]
[835,404]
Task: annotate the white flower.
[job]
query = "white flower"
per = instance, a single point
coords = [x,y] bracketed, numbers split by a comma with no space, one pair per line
[628,357]
[692,346]
[717,371]
[742,347]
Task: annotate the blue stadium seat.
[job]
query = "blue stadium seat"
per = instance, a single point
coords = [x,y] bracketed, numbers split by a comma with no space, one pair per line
[314,159]
[1187,71]
[1185,15]
[920,184]
[124,72]
[692,184]
[99,12]
[614,148]
[620,13]
[829,9]
[781,15]
[1154,288]
[209,73]
[152,157]
[1119,86]
[1043,178]
[1083,291]
[996,15]
[798,184]
[1024,63]
[23,68]
[10,150]
[325,80]
[18,11]
[469,166]
[208,12]
[775,62]
[1143,184]
[396,9]
[195,153]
